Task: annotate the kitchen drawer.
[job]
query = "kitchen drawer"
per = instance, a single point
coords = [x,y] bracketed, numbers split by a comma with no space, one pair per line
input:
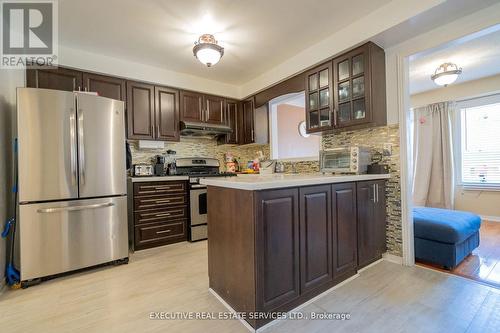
[159,201]
[152,188]
[155,234]
[161,215]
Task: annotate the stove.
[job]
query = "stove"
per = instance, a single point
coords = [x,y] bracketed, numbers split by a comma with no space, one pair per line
[197,168]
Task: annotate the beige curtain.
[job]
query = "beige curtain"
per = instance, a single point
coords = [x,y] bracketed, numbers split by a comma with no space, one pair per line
[433,177]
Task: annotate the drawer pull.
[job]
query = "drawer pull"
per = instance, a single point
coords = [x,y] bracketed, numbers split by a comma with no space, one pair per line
[164,231]
[162,201]
[164,214]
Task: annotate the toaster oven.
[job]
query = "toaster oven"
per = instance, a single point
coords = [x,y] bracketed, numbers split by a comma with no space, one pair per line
[354,160]
[141,170]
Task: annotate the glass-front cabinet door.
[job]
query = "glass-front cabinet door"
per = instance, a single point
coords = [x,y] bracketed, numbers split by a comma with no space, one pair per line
[350,88]
[319,101]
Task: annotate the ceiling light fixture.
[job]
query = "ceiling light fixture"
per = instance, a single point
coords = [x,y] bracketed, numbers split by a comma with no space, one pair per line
[446,74]
[207,51]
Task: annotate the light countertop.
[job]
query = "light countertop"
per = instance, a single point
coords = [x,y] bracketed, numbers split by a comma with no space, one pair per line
[263,182]
[157,178]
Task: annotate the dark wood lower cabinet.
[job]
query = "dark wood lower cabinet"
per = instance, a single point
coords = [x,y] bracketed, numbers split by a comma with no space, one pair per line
[287,245]
[344,229]
[315,237]
[158,213]
[371,221]
[277,232]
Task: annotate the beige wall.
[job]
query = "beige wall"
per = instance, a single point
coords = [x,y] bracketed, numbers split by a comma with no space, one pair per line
[484,203]
[9,80]
[290,142]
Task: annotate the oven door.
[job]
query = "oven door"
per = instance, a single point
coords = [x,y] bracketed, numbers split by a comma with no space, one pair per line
[198,203]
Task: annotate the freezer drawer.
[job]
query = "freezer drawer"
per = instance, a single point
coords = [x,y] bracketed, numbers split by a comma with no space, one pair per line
[63,236]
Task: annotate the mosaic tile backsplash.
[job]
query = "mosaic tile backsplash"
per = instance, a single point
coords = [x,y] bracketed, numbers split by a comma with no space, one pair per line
[372,137]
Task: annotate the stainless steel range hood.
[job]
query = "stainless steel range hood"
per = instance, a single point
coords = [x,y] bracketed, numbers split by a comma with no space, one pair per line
[189,128]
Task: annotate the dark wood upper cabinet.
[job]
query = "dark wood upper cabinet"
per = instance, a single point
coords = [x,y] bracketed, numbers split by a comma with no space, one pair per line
[232,117]
[248,121]
[167,114]
[344,230]
[315,237]
[140,111]
[105,86]
[58,79]
[319,101]
[371,221]
[359,88]
[277,233]
[191,106]
[214,109]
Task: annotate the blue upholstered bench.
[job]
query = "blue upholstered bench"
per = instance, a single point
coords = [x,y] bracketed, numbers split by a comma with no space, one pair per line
[444,237]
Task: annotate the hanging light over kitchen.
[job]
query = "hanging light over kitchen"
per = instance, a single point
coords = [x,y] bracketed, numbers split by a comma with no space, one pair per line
[207,51]
[446,74]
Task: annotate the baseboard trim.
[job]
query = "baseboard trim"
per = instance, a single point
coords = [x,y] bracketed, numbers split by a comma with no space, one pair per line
[370,265]
[274,322]
[392,258]
[490,218]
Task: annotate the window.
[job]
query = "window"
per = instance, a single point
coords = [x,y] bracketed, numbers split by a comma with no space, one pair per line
[480,143]
[286,115]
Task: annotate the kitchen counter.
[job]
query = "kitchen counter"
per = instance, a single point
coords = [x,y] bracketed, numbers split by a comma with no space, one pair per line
[264,182]
[157,178]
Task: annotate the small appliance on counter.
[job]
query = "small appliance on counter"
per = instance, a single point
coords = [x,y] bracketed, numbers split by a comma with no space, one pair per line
[349,160]
[376,168]
[170,162]
[160,166]
[279,167]
[143,170]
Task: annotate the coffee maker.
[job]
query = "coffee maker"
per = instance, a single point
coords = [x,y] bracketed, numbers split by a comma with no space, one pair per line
[160,166]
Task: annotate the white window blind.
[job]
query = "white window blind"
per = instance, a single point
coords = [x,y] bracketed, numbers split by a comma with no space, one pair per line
[480,145]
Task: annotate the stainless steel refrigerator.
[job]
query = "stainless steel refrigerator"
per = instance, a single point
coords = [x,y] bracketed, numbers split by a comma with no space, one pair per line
[72,182]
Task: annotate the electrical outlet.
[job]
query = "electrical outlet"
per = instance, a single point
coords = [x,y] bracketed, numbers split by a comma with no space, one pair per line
[387,149]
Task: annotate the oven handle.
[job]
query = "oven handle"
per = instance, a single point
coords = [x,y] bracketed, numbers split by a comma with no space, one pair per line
[198,186]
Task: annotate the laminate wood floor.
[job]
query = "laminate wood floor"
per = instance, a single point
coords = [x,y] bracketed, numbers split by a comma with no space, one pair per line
[384,298]
[483,264]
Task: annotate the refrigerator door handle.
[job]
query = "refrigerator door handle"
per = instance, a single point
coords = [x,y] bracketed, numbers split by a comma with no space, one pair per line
[72,134]
[81,147]
[73,208]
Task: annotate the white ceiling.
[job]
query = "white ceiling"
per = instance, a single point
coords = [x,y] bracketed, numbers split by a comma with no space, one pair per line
[478,55]
[257,34]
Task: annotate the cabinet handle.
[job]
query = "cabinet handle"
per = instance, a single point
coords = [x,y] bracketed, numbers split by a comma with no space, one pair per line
[164,214]
[158,131]
[377,192]
[253,139]
[335,117]
[164,231]
[374,199]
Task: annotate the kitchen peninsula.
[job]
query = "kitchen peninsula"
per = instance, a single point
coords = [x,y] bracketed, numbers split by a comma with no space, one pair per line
[276,241]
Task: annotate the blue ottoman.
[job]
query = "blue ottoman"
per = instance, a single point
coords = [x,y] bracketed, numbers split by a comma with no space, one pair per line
[444,237]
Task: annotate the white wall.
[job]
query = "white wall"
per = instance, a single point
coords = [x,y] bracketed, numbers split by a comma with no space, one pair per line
[113,66]
[454,92]
[9,80]
[385,17]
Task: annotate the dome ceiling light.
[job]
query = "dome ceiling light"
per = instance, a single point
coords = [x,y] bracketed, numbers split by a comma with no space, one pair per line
[207,51]
[446,74]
